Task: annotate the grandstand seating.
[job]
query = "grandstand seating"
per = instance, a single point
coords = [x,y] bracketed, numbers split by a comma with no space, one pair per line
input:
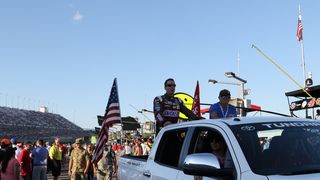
[27,125]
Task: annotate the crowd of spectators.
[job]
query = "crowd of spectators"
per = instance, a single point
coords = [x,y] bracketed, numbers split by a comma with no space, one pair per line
[34,160]
[138,147]
[28,160]
[32,125]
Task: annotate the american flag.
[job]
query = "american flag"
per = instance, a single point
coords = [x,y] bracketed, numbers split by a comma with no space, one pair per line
[299,30]
[111,116]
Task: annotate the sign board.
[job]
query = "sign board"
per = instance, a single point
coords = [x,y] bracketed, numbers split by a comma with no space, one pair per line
[304,104]
[187,100]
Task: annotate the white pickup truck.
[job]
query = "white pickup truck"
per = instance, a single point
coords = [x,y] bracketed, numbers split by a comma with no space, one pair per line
[257,148]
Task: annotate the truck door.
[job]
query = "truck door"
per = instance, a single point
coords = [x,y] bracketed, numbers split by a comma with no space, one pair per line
[209,140]
[166,160]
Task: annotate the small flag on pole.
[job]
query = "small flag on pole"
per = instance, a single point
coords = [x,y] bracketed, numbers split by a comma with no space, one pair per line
[111,116]
[196,101]
[299,30]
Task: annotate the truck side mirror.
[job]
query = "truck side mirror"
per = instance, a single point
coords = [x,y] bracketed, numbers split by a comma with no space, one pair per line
[204,164]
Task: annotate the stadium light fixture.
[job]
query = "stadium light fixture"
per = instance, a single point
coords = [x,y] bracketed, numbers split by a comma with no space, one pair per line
[223,82]
[233,75]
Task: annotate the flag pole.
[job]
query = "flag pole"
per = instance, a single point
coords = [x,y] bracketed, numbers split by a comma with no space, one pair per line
[303,64]
[121,130]
[300,39]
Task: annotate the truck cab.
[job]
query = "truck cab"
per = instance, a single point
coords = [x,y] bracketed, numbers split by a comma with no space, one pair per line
[255,148]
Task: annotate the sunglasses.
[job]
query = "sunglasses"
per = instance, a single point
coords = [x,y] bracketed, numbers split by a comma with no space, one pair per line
[225,96]
[170,85]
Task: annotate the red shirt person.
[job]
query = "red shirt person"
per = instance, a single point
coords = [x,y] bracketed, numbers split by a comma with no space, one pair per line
[25,160]
[114,147]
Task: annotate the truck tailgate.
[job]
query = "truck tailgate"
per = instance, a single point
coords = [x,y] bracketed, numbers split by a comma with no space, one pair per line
[131,167]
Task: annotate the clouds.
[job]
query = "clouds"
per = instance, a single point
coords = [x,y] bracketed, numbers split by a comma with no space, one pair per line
[77,17]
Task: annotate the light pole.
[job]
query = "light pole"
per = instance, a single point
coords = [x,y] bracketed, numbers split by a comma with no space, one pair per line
[242,82]
[242,94]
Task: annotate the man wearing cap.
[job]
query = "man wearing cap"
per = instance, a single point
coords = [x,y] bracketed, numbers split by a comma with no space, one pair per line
[13,142]
[79,161]
[5,143]
[223,109]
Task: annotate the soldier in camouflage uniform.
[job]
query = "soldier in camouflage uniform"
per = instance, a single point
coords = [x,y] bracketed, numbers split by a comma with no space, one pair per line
[107,164]
[79,161]
[89,150]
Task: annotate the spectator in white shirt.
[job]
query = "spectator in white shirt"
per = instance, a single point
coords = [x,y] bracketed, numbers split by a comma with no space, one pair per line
[127,149]
[144,147]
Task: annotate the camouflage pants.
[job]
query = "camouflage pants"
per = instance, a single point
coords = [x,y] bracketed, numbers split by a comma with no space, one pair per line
[105,174]
[78,176]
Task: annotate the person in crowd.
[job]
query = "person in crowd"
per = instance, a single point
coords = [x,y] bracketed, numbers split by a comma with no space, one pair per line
[127,148]
[107,165]
[119,148]
[70,147]
[25,161]
[89,150]
[5,143]
[132,145]
[114,147]
[166,108]
[13,142]
[318,114]
[138,148]
[149,145]
[48,146]
[55,155]
[64,152]
[39,156]
[144,146]
[223,109]
[49,162]
[79,162]
[19,149]
[10,168]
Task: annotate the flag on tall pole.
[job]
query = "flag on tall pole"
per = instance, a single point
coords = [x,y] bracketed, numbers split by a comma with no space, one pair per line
[111,116]
[299,29]
[196,101]
[300,39]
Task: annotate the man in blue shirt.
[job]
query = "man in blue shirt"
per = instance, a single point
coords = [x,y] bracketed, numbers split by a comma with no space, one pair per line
[39,155]
[223,109]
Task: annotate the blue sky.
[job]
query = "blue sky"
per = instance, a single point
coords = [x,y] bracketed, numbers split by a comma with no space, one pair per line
[65,54]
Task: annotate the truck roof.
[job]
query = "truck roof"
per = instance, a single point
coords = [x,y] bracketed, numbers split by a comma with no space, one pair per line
[248,120]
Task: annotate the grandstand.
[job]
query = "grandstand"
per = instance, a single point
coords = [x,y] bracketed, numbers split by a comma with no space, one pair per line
[27,125]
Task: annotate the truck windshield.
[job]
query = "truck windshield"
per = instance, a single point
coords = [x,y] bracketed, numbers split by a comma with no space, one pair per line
[281,148]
